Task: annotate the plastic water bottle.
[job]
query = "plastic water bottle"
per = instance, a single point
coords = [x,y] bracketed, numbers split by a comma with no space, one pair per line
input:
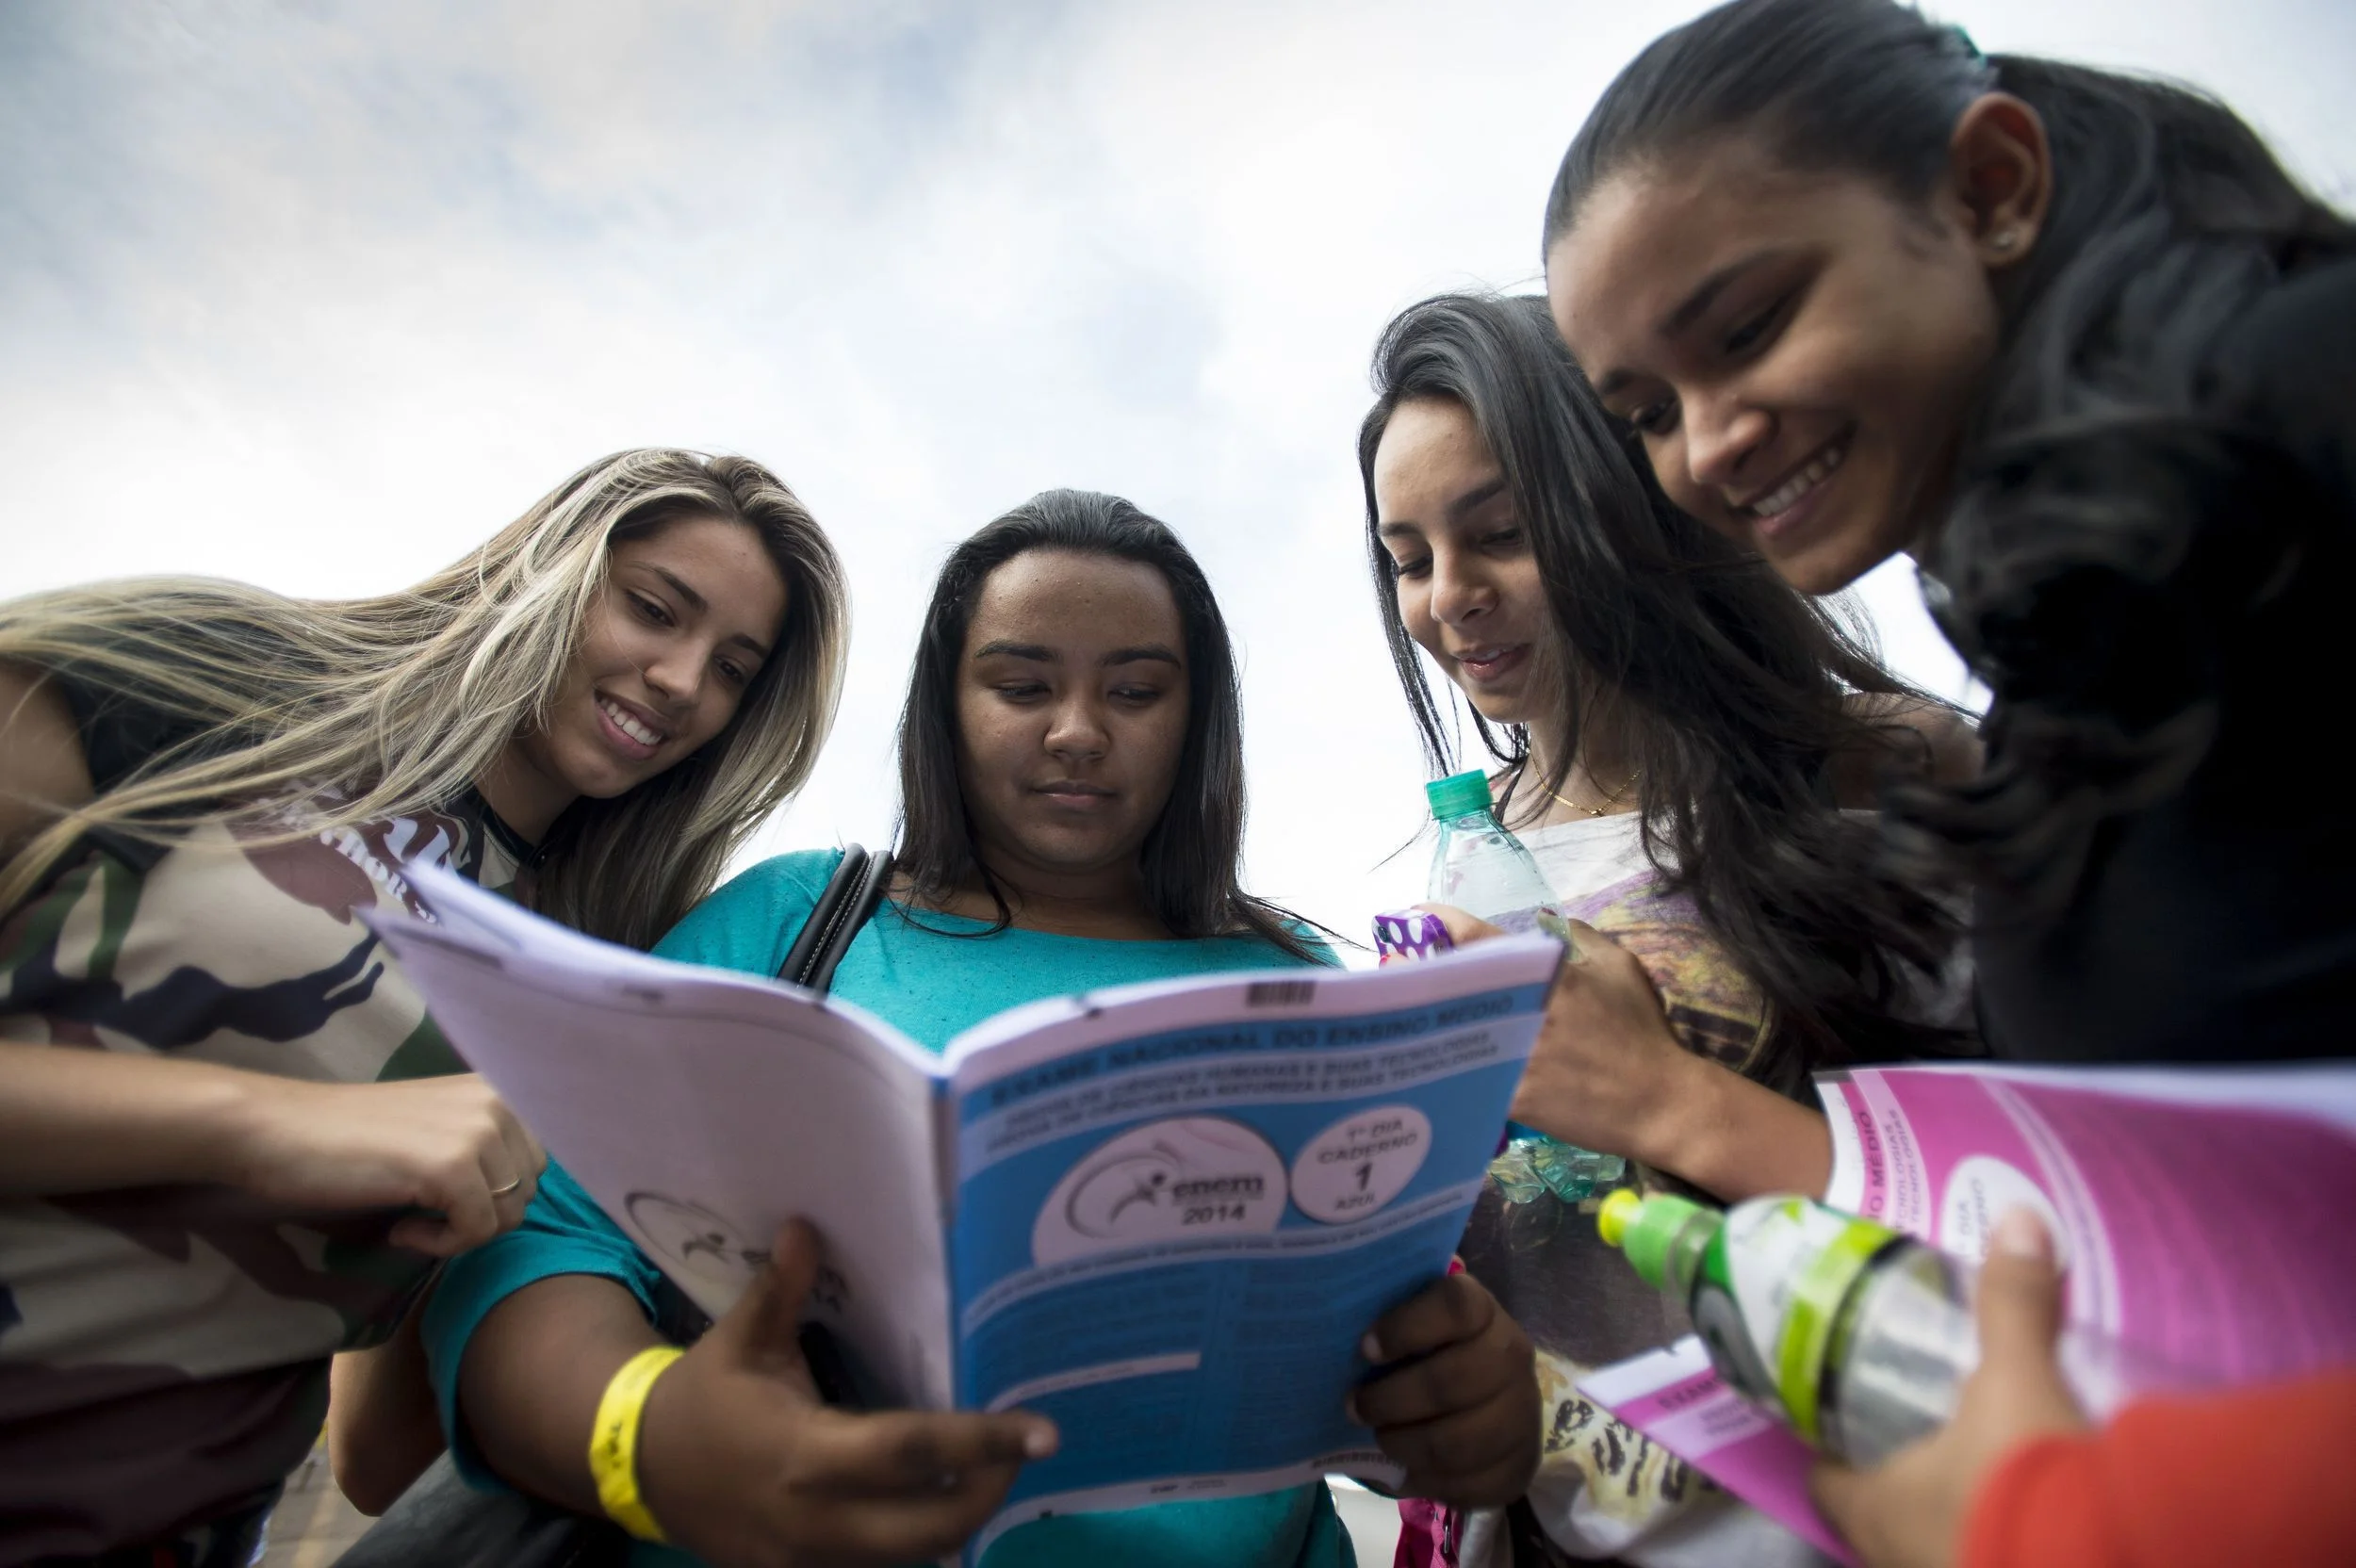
[1852,1334]
[1477,865]
[1484,871]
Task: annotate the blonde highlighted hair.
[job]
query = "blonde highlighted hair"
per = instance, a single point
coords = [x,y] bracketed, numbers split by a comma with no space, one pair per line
[358,709]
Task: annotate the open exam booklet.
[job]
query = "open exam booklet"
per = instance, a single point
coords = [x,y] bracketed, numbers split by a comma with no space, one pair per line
[1162,1214]
[2200,1213]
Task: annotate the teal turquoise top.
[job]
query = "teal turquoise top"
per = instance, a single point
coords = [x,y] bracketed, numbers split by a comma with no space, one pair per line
[931,985]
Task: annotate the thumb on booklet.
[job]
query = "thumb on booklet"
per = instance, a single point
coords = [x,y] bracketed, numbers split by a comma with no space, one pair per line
[763,1330]
[2020,1316]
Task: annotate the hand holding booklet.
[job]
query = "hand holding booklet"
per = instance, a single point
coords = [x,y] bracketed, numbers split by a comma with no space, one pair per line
[2200,1213]
[1162,1214]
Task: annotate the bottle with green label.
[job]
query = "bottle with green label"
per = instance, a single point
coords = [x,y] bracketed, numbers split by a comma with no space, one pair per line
[1855,1335]
[1483,869]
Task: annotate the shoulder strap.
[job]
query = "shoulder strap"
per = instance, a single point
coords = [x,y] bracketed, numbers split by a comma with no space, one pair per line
[850,897]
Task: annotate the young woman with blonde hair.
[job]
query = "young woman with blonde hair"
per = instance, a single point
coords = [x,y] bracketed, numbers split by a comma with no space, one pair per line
[216,1166]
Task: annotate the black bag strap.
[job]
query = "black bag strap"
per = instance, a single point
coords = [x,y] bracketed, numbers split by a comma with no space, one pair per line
[856,912]
[850,898]
[846,874]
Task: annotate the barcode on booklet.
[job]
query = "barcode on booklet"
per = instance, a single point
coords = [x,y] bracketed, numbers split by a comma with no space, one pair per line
[1279,993]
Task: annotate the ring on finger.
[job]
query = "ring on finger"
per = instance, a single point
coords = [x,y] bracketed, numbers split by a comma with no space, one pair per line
[502,1192]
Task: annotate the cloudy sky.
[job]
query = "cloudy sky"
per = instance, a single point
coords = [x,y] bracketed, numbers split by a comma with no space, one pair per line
[320,293]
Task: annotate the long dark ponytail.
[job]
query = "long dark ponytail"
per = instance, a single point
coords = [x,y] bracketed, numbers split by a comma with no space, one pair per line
[2086,567]
[1733,688]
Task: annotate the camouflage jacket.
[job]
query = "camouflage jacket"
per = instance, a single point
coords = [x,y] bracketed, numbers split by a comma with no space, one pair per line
[163,1352]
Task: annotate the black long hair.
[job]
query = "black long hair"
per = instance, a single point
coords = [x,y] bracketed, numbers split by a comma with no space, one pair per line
[1733,688]
[1193,858]
[2086,567]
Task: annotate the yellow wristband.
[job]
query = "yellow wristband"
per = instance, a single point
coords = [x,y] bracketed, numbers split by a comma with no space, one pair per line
[614,1441]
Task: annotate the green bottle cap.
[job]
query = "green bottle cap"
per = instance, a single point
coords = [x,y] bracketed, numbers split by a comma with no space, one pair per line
[1458,797]
[1643,1226]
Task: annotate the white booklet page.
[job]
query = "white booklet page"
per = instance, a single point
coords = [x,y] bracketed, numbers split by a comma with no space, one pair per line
[1162,1214]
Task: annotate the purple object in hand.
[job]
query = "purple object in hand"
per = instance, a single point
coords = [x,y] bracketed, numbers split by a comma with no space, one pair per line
[1411,934]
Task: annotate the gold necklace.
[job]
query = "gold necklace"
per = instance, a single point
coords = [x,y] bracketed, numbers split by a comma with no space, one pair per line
[1609,801]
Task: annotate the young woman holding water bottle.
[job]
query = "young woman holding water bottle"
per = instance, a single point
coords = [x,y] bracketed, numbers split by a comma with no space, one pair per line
[1664,711]
[1677,732]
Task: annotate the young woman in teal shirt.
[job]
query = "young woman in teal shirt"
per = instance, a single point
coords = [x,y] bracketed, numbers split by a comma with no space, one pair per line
[1072,818]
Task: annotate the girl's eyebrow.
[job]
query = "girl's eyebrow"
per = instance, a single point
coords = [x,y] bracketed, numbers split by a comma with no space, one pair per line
[679,585]
[1705,293]
[700,605]
[1154,651]
[1688,310]
[1479,496]
[1471,500]
[1038,653]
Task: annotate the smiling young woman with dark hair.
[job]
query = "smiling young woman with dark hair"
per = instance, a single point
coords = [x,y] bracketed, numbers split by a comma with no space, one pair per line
[1659,678]
[1677,733]
[1071,758]
[2078,342]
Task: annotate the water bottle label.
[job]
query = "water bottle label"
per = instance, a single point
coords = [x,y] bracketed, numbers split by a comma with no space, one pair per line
[1719,1321]
[1783,1269]
[1750,1264]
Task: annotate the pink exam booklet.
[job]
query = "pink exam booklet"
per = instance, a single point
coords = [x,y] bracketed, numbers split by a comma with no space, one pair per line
[1674,1397]
[2204,1216]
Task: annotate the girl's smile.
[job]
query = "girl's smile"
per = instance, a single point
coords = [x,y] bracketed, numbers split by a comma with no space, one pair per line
[1782,508]
[630,730]
[1492,666]
[1078,795]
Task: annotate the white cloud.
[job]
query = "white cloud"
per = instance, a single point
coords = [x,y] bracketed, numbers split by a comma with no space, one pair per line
[319,296]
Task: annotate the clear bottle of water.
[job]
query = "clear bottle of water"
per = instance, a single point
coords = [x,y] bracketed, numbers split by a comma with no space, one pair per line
[1483,869]
[1477,865]
[1856,1337]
